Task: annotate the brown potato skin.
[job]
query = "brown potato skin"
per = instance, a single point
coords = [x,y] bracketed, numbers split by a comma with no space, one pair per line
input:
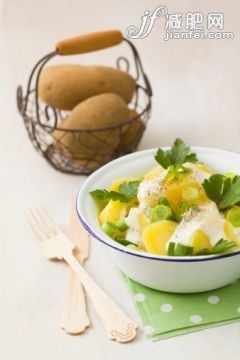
[97,112]
[65,86]
[133,133]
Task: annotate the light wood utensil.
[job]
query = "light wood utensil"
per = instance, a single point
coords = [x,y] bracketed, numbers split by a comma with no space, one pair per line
[54,244]
[75,319]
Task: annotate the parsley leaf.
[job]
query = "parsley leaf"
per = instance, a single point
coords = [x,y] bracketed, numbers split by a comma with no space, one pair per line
[176,172]
[223,190]
[108,195]
[162,158]
[129,189]
[127,192]
[178,154]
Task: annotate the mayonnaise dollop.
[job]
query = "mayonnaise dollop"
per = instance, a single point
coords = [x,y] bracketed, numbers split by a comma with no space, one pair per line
[149,192]
[133,234]
[206,218]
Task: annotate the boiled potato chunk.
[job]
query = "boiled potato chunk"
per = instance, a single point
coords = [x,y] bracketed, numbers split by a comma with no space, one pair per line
[177,193]
[156,236]
[200,241]
[157,170]
[113,211]
[230,232]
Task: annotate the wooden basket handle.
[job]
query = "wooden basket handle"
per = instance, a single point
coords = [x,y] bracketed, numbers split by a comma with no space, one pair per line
[89,42]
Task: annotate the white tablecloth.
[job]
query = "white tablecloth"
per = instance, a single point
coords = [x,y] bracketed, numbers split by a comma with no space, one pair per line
[196,97]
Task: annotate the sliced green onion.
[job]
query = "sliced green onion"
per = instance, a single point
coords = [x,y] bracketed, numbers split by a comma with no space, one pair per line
[171,247]
[233,215]
[222,245]
[123,241]
[163,201]
[184,206]
[110,229]
[160,212]
[203,251]
[219,248]
[122,225]
[190,193]
[183,250]
[134,247]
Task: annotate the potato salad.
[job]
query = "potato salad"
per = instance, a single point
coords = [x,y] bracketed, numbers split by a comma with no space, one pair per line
[178,208]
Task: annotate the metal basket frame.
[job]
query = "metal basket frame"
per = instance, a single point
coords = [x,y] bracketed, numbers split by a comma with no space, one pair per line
[41,119]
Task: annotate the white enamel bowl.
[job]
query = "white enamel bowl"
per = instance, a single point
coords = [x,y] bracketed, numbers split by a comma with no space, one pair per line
[172,274]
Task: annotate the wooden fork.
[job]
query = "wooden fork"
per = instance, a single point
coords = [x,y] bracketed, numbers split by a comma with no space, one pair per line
[54,244]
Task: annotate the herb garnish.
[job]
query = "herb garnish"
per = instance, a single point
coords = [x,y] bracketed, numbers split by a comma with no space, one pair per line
[176,172]
[184,250]
[223,190]
[219,248]
[127,192]
[179,249]
[178,154]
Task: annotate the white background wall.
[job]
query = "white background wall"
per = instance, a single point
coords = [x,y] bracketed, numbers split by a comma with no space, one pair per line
[195,82]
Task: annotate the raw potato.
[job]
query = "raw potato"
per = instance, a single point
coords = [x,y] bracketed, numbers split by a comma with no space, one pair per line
[133,133]
[94,148]
[65,86]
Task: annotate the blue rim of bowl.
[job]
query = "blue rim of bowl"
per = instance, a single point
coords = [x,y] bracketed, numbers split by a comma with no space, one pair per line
[146,255]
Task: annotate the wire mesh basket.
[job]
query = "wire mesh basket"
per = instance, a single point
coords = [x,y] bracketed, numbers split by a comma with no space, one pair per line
[42,120]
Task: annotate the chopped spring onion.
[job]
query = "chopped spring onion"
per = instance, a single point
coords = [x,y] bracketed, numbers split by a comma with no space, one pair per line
[160,212]
[222,245]
[171,247]
[123,241]
[163,201]
[190,193]
[183,250]
[110,229]
[134,247]
[122,225]
[179,249]
[219,248]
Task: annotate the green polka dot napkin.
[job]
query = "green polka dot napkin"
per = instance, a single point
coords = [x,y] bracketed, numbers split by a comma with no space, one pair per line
[165,315]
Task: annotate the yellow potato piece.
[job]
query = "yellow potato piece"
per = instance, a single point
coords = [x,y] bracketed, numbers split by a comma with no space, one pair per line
[115,185]
[113,211]
[230,233]
[157,170]
[200,240]
[176,190]
[156,235]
